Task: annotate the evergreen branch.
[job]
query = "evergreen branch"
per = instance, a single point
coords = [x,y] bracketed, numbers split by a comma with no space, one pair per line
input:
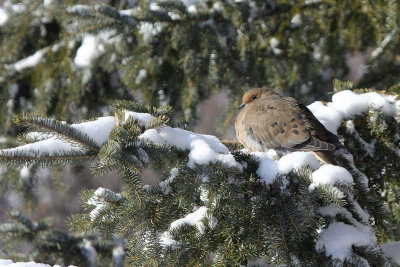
[19,218]
[283,234]
[62,130]
[132,176]
[128,105]
[291,219]
[21,159]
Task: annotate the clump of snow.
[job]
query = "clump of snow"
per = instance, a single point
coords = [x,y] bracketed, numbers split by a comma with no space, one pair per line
[203,148]
[24,172]
[297,160]
[10,263]
[273,42]
[126,12]
[327,115]
[193,219]
[392,251]
[142,118]
[106,194]
[346,104]
[98,130]
[149,30]
[269,168]
[47,3]
[5,262]
[49,147]
[80,9]
[165,185]
[192,10]
[167,240]
[141,76]
[30,61]
[91,48]
[101,197]
[189,3]
[3,16]
[296,20]
[310,2]
[338,239]
[331,174]
[350,103]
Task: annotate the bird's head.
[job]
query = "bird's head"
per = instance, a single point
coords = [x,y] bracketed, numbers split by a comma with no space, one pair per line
[252,95]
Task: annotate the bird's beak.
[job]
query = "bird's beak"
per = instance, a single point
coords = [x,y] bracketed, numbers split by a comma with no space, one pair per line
[241,106]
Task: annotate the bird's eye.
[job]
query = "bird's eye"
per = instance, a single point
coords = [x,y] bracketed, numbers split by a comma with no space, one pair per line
[254,97]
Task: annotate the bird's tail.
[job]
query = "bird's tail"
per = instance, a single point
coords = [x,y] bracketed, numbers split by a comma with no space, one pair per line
[327,157]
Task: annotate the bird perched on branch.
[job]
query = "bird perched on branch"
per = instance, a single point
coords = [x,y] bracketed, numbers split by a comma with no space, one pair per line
[268,120]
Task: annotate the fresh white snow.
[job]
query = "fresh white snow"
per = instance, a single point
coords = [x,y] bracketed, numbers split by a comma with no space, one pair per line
[90,49]
[165,185]
[100,198]
[346,104]
[331,175]
[296,20]
[203,148]
[392,251]
[350,103]
[273,42]
[149,30]
[269,168]
[141,76]
[98,130]
[30,61]
[142,118]
[10,263]
[167,240]
[3,16]
[193,218]
[80,9]
[327,115]
[49,147]
[339,237]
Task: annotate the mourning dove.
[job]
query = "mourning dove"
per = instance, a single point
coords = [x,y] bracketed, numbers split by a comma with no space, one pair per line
[268,120]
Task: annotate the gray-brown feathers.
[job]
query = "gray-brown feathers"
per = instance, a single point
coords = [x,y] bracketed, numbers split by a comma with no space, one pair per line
[268,120]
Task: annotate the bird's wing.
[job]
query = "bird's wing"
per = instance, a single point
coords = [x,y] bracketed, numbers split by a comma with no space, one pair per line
[284,123]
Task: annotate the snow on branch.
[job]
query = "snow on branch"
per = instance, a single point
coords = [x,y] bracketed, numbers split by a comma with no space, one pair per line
[204,149]
[101,197]
[59,140]
[193,219]
[10,263]
[391,250]
[346,104]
